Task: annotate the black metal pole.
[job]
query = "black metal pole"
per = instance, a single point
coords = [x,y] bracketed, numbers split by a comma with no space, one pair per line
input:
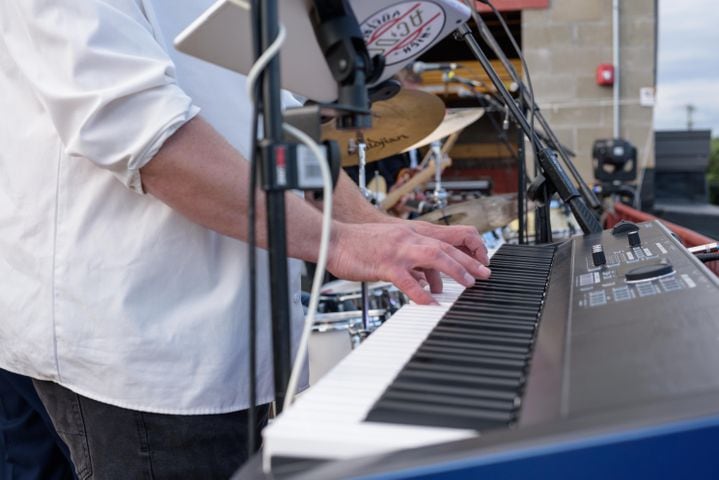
[547,159]
[586,192]
[273,184]
[521,184]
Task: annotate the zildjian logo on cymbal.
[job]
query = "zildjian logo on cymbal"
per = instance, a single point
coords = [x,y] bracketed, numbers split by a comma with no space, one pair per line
[384,141]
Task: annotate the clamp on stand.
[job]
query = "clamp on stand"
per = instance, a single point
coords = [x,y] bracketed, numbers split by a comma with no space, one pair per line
[540,191]
[439,196]
[342,43]
[362,166]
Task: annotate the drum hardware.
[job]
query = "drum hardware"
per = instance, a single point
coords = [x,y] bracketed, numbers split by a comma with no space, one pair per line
[419,179]
[439,196]
[335,335]
[365,306]
[431,166]
[452,124]
[362,157]
[347,313]
[343,295]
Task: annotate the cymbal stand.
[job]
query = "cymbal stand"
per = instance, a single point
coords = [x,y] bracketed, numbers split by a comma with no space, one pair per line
[362,157]
[439,196]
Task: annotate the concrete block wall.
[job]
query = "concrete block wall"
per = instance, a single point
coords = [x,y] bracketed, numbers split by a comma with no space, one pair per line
[563,46]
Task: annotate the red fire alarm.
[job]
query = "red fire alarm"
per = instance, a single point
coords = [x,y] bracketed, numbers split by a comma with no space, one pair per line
[605,74]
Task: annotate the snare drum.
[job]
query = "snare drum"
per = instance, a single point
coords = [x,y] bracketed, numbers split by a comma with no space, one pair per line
[343,295]
[334,335]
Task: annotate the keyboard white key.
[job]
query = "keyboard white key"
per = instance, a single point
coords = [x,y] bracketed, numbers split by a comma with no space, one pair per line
[327,421]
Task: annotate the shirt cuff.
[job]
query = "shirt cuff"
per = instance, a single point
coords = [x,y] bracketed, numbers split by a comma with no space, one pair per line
[131,178]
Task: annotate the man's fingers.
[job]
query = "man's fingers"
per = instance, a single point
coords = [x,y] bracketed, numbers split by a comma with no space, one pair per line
[474,267]
[435,281]
[420,277]
[409,285]
[432,256]
[461,236]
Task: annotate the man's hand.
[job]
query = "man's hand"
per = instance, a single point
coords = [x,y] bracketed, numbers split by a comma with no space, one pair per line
[464,237]
[403,255]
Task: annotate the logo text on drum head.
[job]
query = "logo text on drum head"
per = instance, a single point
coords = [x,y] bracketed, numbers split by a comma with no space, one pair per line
[404,30]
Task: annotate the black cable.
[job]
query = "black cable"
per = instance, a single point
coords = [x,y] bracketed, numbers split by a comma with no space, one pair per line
[502,137]
[530,91]
[708,257]
[530,88]
[252,255]
[522,202]
[252,443]
[521,180]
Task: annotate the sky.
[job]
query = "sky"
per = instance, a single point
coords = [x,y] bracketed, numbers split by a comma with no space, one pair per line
[688,64]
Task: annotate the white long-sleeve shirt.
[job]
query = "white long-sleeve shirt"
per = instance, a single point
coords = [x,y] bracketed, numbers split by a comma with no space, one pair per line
[106,290]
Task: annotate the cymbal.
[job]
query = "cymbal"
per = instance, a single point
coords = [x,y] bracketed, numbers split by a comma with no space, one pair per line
[454,120]
[485,214]
[397,123]
[564,225]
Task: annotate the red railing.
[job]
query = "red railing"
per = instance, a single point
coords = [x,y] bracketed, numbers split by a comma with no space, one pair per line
[689,237]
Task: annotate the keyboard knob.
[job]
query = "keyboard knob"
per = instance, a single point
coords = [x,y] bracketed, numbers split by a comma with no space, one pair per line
[634,240]
[624,227]
[598,257]
[648,272]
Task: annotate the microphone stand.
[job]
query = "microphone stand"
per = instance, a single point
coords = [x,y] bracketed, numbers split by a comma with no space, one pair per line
[521,162]
[340,38]
[589,197]
[272,162]
[554,177]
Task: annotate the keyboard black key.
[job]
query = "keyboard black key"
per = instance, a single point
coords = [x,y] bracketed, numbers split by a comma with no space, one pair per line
[470,371]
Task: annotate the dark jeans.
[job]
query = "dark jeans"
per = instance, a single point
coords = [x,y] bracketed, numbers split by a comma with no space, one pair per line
[108,442]
[29,447]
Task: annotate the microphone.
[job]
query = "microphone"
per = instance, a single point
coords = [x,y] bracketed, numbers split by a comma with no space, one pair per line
[451,77]
[419,67]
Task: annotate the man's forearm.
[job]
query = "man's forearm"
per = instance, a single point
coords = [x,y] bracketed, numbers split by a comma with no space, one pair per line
[349,206]
[200,175]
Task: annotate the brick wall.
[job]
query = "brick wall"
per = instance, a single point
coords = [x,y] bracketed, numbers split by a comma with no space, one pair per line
[563,46]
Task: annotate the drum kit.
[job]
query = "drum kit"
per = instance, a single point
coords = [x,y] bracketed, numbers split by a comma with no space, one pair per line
[349,311]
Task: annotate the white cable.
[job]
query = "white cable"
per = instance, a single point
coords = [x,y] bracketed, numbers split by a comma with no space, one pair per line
[264,59]
[302,348]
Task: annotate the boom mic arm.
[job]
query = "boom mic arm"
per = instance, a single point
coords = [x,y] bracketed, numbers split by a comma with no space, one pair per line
[342,43]
[589,197]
